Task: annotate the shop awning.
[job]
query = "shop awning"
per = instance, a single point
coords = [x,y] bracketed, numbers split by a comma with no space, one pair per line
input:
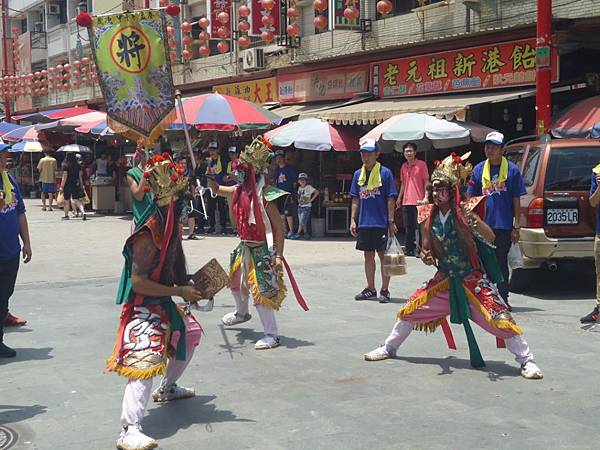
[305,111]
[443,106]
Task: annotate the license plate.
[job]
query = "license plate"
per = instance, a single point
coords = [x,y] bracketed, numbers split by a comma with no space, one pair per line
[562,216]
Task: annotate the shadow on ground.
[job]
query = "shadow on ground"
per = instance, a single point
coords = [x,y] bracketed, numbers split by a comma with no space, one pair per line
[496,370]
[28,354]
[562,285]
[166,419]
[18,413]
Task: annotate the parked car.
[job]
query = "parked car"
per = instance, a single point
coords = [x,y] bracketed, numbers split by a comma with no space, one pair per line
[557,221]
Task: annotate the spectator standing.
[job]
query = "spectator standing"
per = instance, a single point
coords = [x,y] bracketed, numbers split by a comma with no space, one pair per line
[372,219]
[101,166]
[218,168]
[306,195]
[595,201]
[13,225]
[47,169]
[285,177]
[501,182]
[414,177]
[72,186]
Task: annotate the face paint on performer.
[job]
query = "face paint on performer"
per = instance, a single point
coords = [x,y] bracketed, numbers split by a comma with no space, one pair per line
[441,194]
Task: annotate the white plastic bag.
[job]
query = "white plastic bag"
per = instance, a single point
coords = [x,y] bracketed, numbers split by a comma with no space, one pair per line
[515,257]
[394,262]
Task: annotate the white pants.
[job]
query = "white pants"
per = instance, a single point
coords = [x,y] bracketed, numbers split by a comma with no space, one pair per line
[137,392]
[517,345]
[241,294]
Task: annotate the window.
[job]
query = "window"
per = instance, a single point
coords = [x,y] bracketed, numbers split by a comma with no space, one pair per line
[570,169]
[406,6]
[531,165]
[515,155]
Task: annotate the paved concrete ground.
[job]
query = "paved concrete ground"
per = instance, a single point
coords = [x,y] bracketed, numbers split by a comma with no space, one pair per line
[315,391]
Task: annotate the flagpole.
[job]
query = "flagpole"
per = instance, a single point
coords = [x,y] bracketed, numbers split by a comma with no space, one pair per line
[185,127]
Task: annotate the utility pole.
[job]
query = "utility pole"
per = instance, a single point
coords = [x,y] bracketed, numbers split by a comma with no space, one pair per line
[5,70]
[543,68]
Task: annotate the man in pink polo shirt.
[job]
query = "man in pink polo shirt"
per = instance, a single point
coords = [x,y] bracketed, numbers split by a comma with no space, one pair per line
[414,177]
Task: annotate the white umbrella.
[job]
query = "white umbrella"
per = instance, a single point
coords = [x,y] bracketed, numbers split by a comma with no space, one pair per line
[425,131]
[75,148]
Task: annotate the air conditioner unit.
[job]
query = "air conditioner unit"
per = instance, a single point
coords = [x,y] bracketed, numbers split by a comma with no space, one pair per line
[38,27]
[53,9]
[253,59]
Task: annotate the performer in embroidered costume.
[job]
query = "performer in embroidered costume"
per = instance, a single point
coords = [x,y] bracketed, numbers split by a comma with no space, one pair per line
[257,263]
[457,242]
[155,335]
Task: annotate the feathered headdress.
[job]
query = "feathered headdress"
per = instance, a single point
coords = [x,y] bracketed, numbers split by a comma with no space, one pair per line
[258,153]
[165,179]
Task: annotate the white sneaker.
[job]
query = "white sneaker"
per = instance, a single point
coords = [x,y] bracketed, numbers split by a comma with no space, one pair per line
[531,371]
[233,318]
[132,438]
[266,342]
[379,354]
[173,392]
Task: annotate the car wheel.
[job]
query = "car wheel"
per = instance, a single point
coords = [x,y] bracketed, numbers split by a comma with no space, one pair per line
[520,279]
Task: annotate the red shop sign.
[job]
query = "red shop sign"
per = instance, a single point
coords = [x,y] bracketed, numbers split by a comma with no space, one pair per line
[487,67]
[257,13]
[332,84]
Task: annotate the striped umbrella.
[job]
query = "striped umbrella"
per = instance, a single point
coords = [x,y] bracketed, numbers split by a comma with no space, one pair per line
[224,113]
[5,127]
[27,132]
[314,134]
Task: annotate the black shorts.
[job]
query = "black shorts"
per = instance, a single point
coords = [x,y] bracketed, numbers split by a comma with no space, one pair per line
[287,206]
[73,192]
[372,239]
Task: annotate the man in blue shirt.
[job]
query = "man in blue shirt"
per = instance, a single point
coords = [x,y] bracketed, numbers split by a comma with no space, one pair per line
[595,201]
[372,220]
[501,182]
[285,176]
[13,223]
[218,168]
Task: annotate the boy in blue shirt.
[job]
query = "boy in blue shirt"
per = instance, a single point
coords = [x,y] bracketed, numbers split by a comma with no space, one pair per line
[595,201]
[285,176]
[501,182]
[372,220]
[13,223]
[218,167]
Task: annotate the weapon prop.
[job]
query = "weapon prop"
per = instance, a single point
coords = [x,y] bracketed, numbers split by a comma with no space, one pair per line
[201,190]
[185,128]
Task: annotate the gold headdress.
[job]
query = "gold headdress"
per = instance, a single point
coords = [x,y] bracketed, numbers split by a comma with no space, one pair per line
[165,179]
[258,153]
[452,170]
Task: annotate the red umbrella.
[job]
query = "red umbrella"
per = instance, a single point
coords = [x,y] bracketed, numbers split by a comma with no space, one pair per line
[578,120]
[314,134]
[224,113]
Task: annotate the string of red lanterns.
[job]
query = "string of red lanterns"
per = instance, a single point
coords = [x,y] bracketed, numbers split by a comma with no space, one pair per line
[267,21]
[244,26]
[293,13]
[320,21]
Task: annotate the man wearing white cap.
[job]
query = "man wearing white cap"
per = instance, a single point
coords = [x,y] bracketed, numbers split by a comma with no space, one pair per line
[501,182]
[372,221]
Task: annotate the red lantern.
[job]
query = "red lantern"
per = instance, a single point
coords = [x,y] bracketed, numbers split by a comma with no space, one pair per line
[85,60]
[172,43]
[223,17]
[320,22]
[244,41]
[76,63]
[244,11]
[320,5]
[244,26]
[170,30]
[44,91]
[204,36]
[59,68]
[223,47]
[267,20]
[204,23]
[186,27]
[384,7]
[223,32]
[67,67]
[293,29]
[351,13]
[187,40]
[204,51]
[51,69]
[267,36]
[43,72]
[293,13]
[76,73]
[187,55]
[267,4]
[173,10]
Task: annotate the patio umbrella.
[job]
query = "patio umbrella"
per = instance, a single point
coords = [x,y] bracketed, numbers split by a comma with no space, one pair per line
[5,127]
[99,127]
[28,146]
[74,148]
[425,131]
[27,132]
[224,113]
[579,120]
[314,134]
[50,115]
